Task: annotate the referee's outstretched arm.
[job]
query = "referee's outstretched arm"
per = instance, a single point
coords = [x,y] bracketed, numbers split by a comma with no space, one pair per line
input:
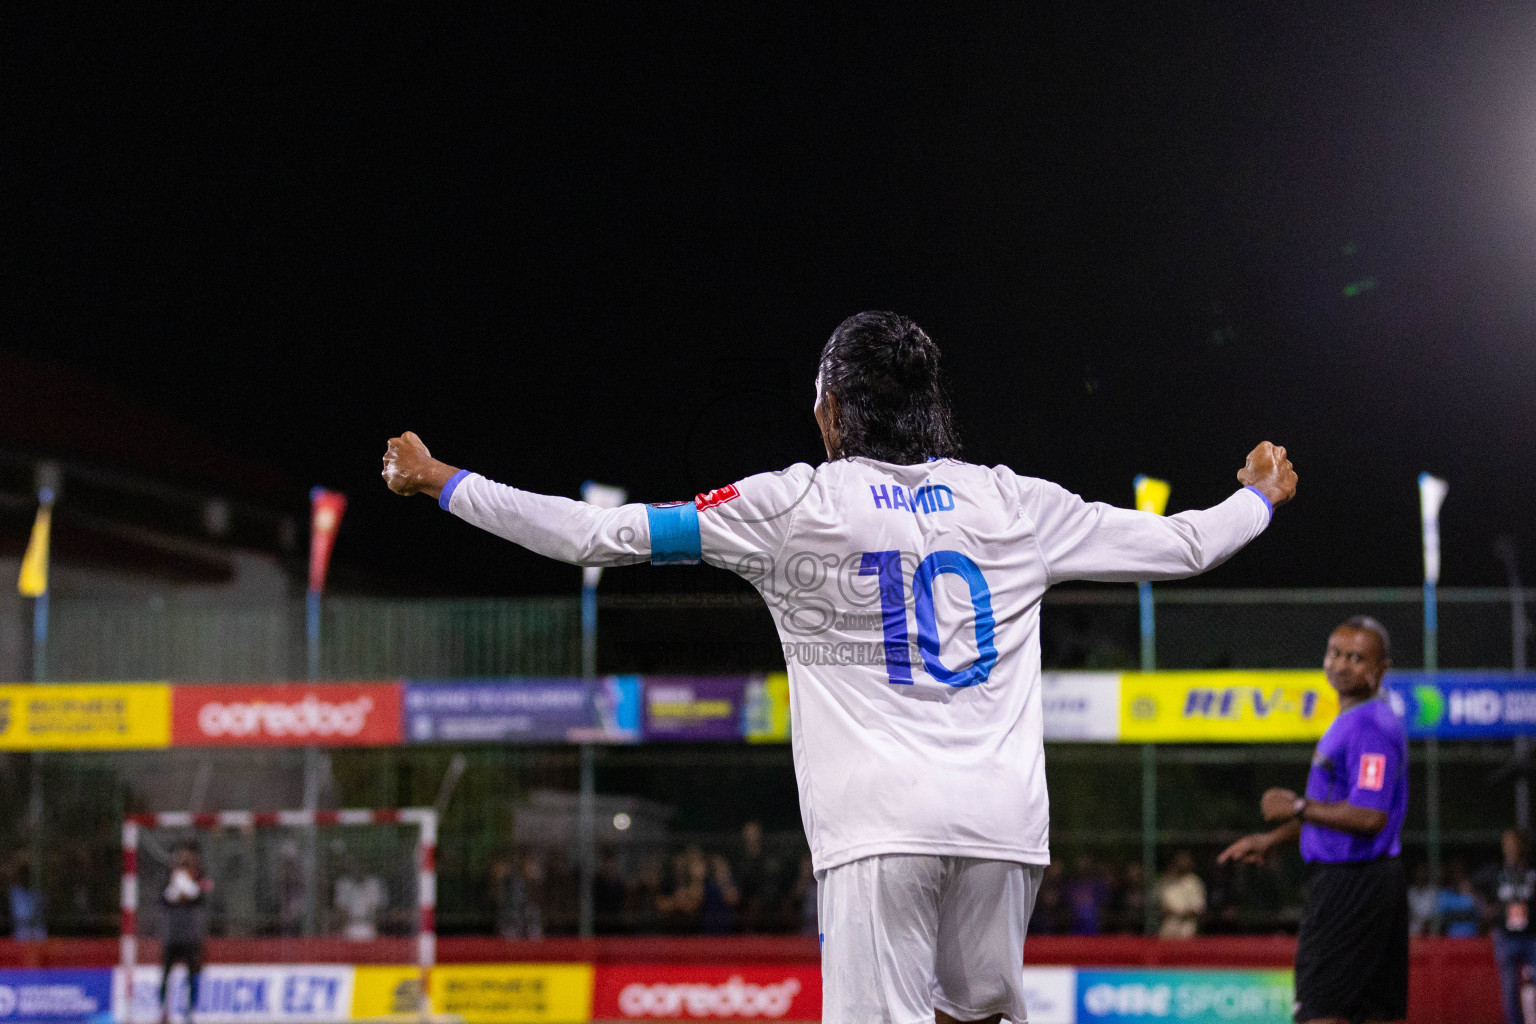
[1281,805]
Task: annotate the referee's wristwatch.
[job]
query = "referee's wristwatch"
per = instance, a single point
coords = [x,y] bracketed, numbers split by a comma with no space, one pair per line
[1299,808]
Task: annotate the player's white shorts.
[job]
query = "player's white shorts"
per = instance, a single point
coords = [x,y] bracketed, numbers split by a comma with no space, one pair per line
[905,934]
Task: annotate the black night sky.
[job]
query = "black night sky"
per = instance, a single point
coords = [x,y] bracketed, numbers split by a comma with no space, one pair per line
[608,243]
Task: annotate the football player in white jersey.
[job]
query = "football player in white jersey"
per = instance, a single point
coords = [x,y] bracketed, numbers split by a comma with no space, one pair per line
[906,587]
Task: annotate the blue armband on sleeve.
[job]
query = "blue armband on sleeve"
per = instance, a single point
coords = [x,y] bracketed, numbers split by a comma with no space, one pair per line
[1262,497]
[448,488]
[674,533]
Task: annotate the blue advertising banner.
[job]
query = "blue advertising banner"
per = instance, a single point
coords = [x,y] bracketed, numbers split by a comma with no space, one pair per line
[605,710]
[50,995]
[1464,705]
[1137,996]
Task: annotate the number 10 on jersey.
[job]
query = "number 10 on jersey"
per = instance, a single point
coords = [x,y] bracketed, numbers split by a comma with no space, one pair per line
[886,567]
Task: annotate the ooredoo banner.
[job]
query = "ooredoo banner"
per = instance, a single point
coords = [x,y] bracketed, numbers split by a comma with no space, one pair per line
[665,992]
[291,715]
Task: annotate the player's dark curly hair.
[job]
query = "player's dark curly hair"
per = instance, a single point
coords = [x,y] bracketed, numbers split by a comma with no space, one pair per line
[891,404]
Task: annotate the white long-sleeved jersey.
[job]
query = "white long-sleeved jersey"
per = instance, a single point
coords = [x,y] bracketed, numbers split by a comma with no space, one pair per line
[907,599]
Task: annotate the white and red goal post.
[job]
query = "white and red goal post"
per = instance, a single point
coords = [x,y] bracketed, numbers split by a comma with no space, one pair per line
[424,819]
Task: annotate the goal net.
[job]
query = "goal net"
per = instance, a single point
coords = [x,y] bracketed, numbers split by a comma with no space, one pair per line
[283,887]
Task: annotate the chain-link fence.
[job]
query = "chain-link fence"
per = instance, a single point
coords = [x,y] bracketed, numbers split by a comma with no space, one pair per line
[671,818]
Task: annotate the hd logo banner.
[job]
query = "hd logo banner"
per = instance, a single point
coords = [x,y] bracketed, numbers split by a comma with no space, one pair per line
[1225,707]
[1464,705]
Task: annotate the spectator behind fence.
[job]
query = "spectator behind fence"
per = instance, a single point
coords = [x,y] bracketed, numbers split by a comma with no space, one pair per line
[1087,897]
[289,890]
[803,896]
[642,911]
[359,897]
[717,911]
[682,906]
[755,874]
[516,885]
[1130,904]
[1423,902]
[1050,916]
[1459,908]
[1509,889]
[1181,897]
[609,894]
[28,910]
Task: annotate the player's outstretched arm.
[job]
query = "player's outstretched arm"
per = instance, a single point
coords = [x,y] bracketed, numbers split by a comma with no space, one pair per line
[559,528]
[1093,541]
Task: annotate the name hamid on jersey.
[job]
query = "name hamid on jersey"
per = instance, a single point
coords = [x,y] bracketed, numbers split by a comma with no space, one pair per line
[927,498]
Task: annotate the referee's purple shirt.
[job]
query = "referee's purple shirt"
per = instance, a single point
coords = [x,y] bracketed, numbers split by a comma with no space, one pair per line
[1363,759]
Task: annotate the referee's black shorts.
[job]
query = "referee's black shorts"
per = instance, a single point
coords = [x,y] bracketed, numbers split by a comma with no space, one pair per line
[1352,953]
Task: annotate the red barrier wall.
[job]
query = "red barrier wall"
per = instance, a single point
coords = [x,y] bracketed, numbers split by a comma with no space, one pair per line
[1452,981]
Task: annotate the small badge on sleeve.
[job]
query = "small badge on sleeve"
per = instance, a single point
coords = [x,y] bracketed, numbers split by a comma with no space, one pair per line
[1373,771]
[718,496]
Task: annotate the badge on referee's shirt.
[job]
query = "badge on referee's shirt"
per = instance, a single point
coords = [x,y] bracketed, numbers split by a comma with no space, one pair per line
[1373,771]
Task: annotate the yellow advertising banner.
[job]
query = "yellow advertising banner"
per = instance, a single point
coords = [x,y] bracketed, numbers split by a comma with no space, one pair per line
[379,992]
[1225,707]
[768,709]
[480,993]
[85,716]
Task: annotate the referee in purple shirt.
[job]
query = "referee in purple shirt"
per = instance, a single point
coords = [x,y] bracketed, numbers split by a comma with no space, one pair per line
[1352,953]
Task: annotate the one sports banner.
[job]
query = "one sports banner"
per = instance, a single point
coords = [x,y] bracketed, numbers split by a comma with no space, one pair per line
[605,710]
[85,716]
[1142,996]
[286,715]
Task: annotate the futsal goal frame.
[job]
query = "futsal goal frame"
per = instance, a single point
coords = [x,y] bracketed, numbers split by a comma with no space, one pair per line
[423,818]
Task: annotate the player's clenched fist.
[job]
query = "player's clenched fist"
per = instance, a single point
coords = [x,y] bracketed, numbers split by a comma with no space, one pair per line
[1270,471]
[410,469]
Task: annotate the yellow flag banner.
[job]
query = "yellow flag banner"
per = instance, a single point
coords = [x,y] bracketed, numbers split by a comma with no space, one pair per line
[1152,494]
[34,564]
